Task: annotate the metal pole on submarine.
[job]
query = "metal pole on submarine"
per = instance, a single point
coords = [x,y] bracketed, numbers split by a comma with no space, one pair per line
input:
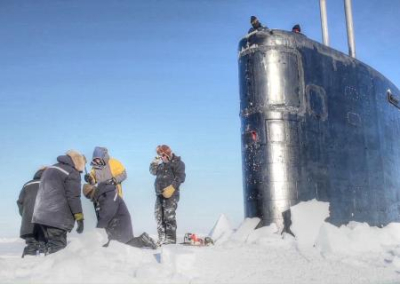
[324,22]
[350,28]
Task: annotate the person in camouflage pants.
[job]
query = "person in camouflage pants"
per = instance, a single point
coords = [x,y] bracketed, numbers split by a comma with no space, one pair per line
[170,174]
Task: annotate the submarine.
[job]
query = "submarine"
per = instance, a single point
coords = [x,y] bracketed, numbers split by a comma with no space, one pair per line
[316,123]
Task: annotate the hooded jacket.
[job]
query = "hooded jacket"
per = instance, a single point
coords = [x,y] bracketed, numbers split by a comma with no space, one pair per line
[112,213]
[171,173]
[26,203]
[111,168]
[258,27]
[59,195]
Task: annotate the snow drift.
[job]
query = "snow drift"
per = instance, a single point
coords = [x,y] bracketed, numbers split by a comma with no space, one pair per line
[320,253]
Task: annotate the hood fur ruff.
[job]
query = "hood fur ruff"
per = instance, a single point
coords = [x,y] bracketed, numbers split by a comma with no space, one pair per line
[78,159]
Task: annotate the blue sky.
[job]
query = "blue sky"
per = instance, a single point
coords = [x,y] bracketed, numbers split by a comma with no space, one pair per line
[130,75]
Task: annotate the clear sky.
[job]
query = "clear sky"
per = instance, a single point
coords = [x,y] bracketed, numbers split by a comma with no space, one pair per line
[130,75]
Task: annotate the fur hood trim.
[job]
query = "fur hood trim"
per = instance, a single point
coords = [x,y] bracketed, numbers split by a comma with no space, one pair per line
[78,159]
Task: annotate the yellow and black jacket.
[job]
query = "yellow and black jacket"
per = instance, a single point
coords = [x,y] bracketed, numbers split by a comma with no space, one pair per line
[111,169]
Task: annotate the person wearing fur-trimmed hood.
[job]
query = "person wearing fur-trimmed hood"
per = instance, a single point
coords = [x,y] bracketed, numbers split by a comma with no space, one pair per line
[31,233]
[113,215]
[106,169]
[58,203]
[169,170]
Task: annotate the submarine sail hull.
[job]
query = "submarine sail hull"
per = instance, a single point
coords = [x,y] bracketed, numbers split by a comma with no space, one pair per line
[316,124]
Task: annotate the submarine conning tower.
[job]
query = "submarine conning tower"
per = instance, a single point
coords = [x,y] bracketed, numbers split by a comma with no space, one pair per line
[316,124]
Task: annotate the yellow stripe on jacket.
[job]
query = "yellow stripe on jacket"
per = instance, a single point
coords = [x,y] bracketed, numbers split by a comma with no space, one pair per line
[116,169]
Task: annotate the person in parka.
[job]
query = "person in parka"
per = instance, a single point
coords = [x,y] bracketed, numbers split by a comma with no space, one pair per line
[170,174]
[58,203]
[113,215]
[31,233]
[106,169]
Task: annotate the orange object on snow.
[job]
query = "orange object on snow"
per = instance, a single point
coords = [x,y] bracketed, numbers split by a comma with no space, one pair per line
[194,240]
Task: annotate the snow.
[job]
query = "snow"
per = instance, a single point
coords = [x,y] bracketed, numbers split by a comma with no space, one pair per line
[320,253]
[307,219]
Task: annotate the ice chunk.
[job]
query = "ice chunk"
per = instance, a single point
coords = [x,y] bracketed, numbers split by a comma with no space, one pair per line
[307,219]
[245,229]
[222,229]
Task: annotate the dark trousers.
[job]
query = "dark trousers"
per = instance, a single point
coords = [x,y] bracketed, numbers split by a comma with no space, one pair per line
[56,239]
[165,213]
[35,242]
[137,242]
[143,241]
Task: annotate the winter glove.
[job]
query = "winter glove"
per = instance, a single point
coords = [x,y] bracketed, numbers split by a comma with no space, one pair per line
[89,179]
[157,160]
[168,191]
[78,216]
[79,229]
[79,220]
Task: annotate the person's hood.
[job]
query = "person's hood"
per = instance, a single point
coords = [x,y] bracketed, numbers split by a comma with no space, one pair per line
[175,158]
[64,159]
[39,173]
[101,153]
[73,159]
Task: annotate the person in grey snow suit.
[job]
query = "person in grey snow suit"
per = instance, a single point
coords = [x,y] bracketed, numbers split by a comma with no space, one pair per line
[31,233]
[170,174]
[113,215]
[58,203]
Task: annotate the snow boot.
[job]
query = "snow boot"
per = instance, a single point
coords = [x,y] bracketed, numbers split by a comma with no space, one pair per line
[170,235]
[42,249]
[29,250]
[169,242]
[148,241]
[32,245]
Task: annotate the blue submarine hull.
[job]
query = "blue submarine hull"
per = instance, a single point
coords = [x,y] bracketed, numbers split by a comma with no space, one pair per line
[316,124]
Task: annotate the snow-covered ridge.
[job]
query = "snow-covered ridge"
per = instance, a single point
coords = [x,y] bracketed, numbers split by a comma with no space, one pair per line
[320,253]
